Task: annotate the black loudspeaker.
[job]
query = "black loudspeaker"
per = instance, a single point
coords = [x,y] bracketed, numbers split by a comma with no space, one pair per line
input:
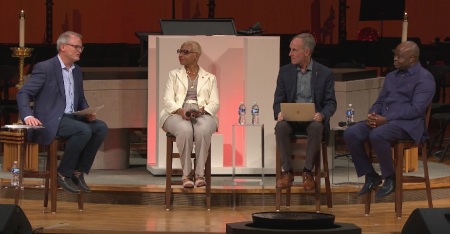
[427,221]
[13,220]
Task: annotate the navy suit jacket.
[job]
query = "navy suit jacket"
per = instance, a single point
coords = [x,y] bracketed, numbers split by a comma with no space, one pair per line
[404,98]
[322,90]
[46,88]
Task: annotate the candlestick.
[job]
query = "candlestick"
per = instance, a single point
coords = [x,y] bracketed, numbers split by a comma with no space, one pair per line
[21,53]
[405,28]
[22,29]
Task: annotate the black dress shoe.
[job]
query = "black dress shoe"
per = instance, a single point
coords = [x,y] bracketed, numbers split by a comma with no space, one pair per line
[67,184]
[372,181]
[78,180]
[387,188]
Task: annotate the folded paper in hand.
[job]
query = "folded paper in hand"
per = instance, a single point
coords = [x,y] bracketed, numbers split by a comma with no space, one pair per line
[88,111]
[20,126]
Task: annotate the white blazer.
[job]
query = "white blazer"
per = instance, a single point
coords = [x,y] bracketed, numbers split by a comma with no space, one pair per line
[176,90]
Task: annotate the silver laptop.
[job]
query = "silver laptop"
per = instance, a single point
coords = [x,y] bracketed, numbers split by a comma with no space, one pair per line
[298,111]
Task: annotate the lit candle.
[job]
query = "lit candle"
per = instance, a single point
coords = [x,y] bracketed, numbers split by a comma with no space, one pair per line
[405,28]
[22,29]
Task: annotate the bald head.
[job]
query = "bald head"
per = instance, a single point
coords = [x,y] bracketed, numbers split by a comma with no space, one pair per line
[410,48]
[406,55]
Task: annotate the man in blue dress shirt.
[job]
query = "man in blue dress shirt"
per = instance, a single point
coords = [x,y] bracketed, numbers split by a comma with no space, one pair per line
[56,87]
[398,113]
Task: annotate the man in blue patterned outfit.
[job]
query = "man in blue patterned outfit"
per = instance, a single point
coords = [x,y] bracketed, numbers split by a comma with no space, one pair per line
[398,113]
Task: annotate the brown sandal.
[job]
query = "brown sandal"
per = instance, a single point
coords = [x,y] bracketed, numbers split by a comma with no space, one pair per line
[187,182]
[200,181]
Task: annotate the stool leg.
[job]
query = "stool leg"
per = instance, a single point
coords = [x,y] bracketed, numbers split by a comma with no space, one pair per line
[399,180]
[169,173]
[427,178]
[47,179]
[327,176]
[317,181]
[208,180]
[278,191]
[367,203]
[277,199]
[80,201]
[53,173]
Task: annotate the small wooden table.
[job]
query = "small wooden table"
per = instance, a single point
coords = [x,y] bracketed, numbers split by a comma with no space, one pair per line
[17,134]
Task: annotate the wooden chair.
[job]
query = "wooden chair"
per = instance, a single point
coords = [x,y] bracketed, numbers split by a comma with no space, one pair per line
[399,154]
[318,174]
[170,155]
[50,176]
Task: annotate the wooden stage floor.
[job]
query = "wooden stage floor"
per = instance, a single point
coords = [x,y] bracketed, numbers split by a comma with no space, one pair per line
[112,208]
[113,218]
[135,210]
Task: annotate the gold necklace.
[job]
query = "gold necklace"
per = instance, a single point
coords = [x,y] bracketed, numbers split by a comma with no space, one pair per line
[192,72]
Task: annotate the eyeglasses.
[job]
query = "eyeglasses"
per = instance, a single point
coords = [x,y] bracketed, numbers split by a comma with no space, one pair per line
[77,47]
[185,52]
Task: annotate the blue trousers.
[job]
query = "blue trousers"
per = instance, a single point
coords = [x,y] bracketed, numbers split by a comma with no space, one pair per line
[83,141]
[380,139]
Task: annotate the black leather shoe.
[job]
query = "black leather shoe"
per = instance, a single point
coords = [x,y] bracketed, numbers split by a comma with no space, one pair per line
[78,180]
[67,184]
[372,181]
[387,188]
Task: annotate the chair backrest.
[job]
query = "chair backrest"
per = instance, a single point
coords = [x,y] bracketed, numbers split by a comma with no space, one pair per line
[427,116]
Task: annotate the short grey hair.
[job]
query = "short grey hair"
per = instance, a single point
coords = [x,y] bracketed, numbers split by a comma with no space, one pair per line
[64,38]
[309,42]
[195,46]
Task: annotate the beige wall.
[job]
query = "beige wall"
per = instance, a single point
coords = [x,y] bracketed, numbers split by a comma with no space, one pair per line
[246,70]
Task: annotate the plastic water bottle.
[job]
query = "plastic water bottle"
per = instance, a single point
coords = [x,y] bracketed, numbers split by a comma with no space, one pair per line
[350,113]
[242,114]
[15,174]
[255,114]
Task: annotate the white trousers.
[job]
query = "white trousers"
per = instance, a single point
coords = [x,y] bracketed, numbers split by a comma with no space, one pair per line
[186,132]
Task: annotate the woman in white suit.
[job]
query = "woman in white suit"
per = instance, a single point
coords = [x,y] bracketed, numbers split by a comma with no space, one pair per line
[191,102]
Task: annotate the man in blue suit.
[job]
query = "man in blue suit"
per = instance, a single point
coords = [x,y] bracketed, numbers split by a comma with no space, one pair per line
[56,87]
[398,113]
[303,80]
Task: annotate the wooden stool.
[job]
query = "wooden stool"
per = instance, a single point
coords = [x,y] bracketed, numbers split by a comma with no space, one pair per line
[51,176]
[170,155]
[318,174]
[399,149]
